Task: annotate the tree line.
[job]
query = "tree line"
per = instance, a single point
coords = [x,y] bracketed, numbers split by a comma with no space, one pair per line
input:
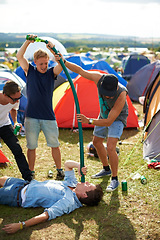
[12,41]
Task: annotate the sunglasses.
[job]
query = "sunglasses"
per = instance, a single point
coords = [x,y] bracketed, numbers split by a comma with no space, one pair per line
[15,99]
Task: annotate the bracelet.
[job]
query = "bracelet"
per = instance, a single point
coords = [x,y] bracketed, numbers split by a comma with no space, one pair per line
[64,61]
[22,225]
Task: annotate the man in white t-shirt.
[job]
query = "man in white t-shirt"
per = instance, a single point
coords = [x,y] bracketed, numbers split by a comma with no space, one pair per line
[9,103]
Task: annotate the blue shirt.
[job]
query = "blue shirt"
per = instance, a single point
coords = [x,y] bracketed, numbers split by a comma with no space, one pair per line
[40,88]
[55,196]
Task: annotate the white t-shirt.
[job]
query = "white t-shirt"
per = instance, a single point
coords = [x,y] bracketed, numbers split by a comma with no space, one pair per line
[4,113]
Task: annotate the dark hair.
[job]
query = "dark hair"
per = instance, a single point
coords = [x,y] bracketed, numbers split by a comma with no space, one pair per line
[10,88]
[93,197]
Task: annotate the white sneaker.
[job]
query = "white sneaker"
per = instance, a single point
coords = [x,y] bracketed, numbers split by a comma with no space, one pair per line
[113,185]
[102,173]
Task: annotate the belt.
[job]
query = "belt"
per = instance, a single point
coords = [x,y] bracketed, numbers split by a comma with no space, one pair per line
[18,194]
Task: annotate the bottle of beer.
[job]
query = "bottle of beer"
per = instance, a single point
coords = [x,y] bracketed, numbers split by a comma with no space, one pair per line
[36,39]
[16,130]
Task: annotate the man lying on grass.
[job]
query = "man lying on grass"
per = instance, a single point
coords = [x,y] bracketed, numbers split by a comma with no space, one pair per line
[57,197]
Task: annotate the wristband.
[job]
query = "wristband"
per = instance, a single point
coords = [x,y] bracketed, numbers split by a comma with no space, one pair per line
[22,225]
[64,61]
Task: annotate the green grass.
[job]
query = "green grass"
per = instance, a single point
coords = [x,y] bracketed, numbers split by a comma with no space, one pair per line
[120,216]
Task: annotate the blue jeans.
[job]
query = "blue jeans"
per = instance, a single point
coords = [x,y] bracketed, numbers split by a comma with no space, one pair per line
[7,135]
[114,131]
[9,192]
[33,127]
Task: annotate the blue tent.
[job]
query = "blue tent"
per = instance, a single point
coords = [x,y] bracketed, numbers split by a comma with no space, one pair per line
[142,79]
[132,64]
[104,66]
[19,71]
[85,62]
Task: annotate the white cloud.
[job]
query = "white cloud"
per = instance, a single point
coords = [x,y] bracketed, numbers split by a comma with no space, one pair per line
[3,1]
[86,16]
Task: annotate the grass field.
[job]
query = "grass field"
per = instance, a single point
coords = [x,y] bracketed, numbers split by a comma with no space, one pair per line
[130,215]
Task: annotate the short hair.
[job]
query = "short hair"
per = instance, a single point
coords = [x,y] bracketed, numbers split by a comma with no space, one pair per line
[10,88]
[40,53]
[93,196]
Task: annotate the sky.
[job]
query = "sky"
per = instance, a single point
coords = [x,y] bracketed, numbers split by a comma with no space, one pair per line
[138,18]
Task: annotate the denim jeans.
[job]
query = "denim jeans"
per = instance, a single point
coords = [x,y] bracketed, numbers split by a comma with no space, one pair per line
[115,130]
[7,135]
[33,127]
[9,192]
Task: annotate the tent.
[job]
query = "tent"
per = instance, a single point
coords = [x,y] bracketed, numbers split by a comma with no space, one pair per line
[140,81]
[102,65]
[132,64]
[3,66]
[37,45]
[151,145]
[19,71]
[7,75]
[84,62]
[3,158]
[65,110]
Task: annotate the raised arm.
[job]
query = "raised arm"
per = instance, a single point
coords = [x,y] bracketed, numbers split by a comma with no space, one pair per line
[90,75]
[14,227]
[58,68]
[69,165]
[20,55]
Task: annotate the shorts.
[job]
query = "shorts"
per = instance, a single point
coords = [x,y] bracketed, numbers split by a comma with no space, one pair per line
[114,131]
[8,193]
[34,126]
